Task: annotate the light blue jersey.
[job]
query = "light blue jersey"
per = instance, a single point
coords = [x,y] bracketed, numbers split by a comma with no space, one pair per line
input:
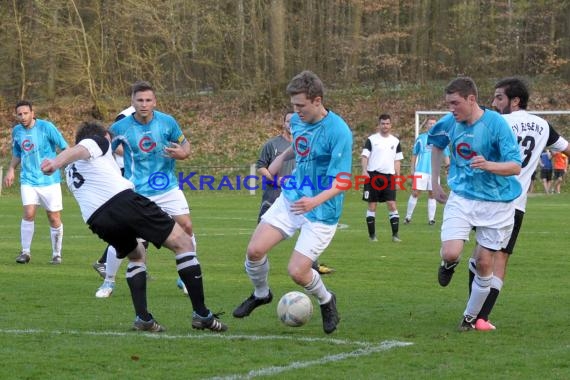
[146,164]
[34,145]
[322,151]
[490,137]
[422,151]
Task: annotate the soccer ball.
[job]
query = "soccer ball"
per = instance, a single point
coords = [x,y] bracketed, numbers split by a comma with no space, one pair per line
[295,309]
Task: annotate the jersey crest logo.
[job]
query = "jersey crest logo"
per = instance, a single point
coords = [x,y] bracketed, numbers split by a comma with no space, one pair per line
[302,146]
[146,144]
[27,145]
[464,150]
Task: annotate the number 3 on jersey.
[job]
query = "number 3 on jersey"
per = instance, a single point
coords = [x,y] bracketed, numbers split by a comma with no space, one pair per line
[528,146]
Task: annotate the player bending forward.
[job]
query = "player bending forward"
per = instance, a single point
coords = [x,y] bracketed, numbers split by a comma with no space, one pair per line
[118,215]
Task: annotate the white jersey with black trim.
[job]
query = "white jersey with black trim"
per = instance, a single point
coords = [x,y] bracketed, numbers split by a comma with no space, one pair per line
[382,152]
[96,180]
[534,134]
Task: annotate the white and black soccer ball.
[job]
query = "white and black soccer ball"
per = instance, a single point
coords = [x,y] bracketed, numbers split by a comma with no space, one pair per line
[295,309]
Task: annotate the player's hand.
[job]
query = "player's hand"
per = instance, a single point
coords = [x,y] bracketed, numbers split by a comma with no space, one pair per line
[439,194]
[9,178]
[303,205]
[173,151]
[479,162]
[47,167]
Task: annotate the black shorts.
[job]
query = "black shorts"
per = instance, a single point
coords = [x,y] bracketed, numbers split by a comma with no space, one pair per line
[558,173]
[381,188]
[519,215]
[127,216]
[546,174]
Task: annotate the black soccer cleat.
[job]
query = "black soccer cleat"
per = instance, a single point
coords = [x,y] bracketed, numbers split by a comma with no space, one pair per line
[330,315]
[249,305]
[445,272]
[467,323]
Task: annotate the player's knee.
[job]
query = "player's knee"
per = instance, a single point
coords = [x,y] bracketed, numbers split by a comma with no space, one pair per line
[255,252]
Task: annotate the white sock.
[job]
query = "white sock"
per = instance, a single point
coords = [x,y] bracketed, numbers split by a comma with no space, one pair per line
[412,202]
[317,288]
[432,206]
[26,234]
[479,291]
[56,235]
[370,213]
[258,272]
[194,242]
[113,264]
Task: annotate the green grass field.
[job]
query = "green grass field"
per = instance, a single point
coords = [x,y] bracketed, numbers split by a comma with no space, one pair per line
[397,322]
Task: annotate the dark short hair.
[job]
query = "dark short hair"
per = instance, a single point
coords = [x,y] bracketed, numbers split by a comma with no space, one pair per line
[384,116]
[463,85]
[89,129]
[515,88]
[21,103]
[307,83]
[141,85]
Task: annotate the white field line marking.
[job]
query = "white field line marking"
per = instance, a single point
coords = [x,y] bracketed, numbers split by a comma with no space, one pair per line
[368,350]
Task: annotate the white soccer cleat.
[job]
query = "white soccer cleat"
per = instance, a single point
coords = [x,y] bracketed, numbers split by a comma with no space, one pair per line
[105,290]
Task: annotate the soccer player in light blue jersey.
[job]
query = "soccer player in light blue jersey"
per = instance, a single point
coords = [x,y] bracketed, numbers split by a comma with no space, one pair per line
[152,141]
[420,170]
[485,158]
[322,148]
[34,140]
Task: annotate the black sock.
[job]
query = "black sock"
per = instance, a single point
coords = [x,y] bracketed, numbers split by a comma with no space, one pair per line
[489,304]
[103,258]
[191,276]
[371,224]
[136,279]
[471,277]
[395,224]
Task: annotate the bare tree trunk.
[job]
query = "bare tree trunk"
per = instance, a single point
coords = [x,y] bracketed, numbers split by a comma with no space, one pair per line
[23,75]
[354,55]
[277,33]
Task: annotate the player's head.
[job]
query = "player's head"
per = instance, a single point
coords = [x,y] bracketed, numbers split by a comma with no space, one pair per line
[384,124]
[287,122]
[89,129]
[307,91]
[511,94]
[461,98]
[143,99]
[429,122]
[24,112]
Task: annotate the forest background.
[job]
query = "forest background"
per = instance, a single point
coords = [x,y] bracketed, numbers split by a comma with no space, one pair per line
[221,67]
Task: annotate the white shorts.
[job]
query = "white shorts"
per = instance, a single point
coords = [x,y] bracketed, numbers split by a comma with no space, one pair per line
[493,221]
[49,197]
[422,181]
[172,202]
[314,237]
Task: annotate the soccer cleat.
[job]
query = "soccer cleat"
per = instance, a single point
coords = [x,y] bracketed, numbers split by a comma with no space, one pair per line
[250,304]
[330,315]
[181,286]
[483,325]
[150,326]
[211,322]
[24,258]
[373,238]
[100,268]
[105,290]
[55,260]
[407,221]
[324,269]
[445,272]
[396,239]
[467,323]
[431,222]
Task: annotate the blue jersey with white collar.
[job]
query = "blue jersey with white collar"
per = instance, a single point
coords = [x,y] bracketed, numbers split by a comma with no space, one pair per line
[322,151]
[146,165]
[490,137]
[34,145]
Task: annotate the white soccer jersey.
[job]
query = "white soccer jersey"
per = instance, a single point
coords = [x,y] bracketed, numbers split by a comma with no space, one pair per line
[88,180]
[533,135]
[382,152]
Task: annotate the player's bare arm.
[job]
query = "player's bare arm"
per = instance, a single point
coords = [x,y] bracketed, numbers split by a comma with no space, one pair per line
[10,174]
[306,204]
[78,152]
[364,164]
[438,192]
[178,151]
[276,165]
